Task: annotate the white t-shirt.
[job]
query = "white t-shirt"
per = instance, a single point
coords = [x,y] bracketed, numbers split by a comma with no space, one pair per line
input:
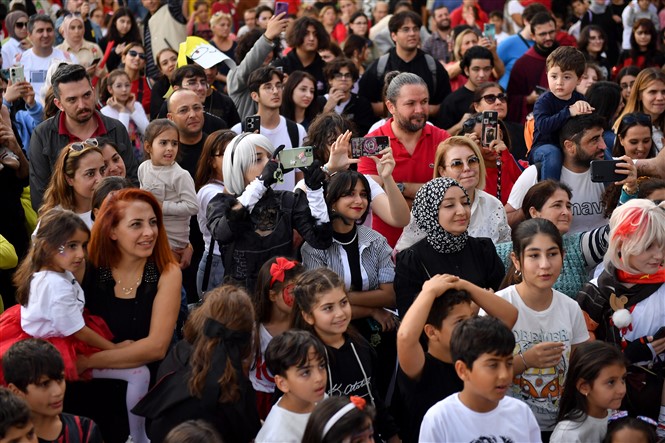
[586,201]
[203,197]
[562,321]
[10,49]
[262,380]
[280,136]
[591,429]
[56,305]
[451,421]
[282,426]
[35,68]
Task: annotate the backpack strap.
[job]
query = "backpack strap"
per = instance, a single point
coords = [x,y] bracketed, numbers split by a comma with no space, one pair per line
[294,136]
[381,66]
[383,62]
[431,64]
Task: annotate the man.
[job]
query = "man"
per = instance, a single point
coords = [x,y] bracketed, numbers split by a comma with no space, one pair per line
[379,11]
[529,70]
[380,32]
[266,87]
[581,139]
[412,140]
[516,45]
[76,120]
[477,65]
[217,102]
[164,27]
[186,111]
[37,59]
[249,17]
[580,8]
[437,44]
[405,57]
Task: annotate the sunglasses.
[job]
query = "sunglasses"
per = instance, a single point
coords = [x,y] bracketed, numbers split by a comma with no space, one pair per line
[21,25]
[133,53]
[80,146]
[458,165]
[636,117]
[491,98]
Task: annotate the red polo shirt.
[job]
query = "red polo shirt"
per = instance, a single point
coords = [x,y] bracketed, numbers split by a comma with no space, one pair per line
[416,168]
[62,128]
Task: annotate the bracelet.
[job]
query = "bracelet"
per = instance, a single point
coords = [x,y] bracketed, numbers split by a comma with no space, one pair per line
[326,170]
[526,366]
[631,194]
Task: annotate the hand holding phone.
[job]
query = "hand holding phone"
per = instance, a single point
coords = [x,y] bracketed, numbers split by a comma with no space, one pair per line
[367,146]
[253,124]
[490,127]
[296,157]
[281,7]
[489,31]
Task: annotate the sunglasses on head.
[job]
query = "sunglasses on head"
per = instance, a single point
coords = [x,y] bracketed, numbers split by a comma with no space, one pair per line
[133,53]
[80,146]
[636,117]
[491,98]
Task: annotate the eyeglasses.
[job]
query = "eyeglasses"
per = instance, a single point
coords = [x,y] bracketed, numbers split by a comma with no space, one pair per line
[269,87]
[407,29]
[470,124]
[341,76]
[133,53]
[491,98]
[362,23]
[21,25]
[194,84]
[636,117]
[458,165]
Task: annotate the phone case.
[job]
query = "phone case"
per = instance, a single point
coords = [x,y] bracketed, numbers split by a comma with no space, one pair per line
[296,157]
[16,74]
[364,146]
[253,123]
[602,171]
[281,7]
[490,126]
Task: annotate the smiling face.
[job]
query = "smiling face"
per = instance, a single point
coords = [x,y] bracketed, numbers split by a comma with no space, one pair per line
[168,60]
[462,164]
[541,262]
[42,36]
[164,148]
[353,204]
[136,232]
[454,211]
[88,174]
[113,162]
[135,58]
[596,42]
[330,316]
[73,253]
[648,262]
[637,142]
[303,94]
[411,108]
[556,209]
[653,99]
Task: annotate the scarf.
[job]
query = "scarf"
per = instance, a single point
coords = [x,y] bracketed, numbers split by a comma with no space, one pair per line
[426,213]
[544,52]
[10,22]
[610,281]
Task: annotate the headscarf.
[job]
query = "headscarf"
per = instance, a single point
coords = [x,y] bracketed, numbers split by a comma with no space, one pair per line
[10,22]
[64,29]
[426,213]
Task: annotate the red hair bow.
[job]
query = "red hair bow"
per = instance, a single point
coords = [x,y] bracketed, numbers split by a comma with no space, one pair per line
[278,268]
[359,402]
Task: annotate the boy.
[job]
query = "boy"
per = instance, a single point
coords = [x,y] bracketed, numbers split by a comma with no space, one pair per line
[482,348]
[34,371]
[426,378]
[297,361]
[496,18]
[565,66]
[15,423]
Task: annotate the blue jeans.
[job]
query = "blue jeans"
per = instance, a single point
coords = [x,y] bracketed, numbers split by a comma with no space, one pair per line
[216,273]
[551,159]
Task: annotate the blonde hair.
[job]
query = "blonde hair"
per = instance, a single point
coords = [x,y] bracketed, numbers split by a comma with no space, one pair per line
[634,228]
[457,48]
[219,16]
[458,140]
[634,102]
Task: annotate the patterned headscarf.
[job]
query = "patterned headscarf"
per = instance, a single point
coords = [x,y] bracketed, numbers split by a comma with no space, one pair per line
[426,212]
[10,22]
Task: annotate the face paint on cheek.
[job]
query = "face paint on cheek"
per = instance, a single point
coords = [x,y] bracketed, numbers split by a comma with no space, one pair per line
[287,297]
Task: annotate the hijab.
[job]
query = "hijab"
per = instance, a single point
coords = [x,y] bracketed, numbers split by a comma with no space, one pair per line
[10,22]
[426,213]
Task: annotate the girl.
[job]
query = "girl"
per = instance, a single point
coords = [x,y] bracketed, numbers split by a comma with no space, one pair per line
[273,303]
[299,102]
[113,163]
[133,59]
[643,51]
[592,74]
[167,61]
[121,104]
[169,183]
[631,285]
[51,306]
[634,137]
[209,182]
[203,377]
[593,44]
[629,429]
[549,325]
[122,31]
[340,419]
[595,384]
[322,307]
[254,221]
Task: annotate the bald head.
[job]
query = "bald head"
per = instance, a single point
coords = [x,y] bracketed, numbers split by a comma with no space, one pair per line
[186,111]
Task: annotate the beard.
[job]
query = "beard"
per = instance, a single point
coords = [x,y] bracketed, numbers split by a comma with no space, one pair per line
[443,25]
[582,159]
[413,124]
[80,116]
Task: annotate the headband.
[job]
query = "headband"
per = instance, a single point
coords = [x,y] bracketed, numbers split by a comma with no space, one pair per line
[278,269]
[355,402]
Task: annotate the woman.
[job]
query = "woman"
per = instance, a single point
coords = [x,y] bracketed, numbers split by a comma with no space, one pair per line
[122,30]
[624,305]
[648,97]
[605,98]
[203,376]
[626,79]
[221,25]
[356,50]
[442,209]
[334,27]
[490,96]
[464,41]
[298,102]
[359,26]
[593,44]
[166,61]
[643,51]
[88,54]
[17,27]
[133,58]
[77,171]
[592,74]
[459,158]
[114,165]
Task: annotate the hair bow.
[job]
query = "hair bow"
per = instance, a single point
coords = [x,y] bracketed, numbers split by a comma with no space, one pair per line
[278,269]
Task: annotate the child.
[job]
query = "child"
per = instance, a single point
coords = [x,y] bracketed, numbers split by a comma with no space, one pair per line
[549,325]
[426,378]
[15,422]
[297,361]
[595,384]
[35,371]
[322,307]
[193,431]
[496,18]
[169,183]
[340,419]
[122,105]
[482,349]
[629,429]
[51,306]
[565,66]
[273,303]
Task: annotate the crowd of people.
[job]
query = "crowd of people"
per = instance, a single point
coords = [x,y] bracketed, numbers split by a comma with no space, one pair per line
[217,251]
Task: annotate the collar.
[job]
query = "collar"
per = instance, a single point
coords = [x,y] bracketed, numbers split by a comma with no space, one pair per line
[62,128]
[387,129]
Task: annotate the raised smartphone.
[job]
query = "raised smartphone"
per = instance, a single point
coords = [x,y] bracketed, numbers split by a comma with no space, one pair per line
[296,157]
[490,127]
[602,171]
[253,123]
[364,146]
[281,7]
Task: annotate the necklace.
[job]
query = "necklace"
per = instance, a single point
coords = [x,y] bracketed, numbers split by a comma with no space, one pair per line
[350,241]
[127,291]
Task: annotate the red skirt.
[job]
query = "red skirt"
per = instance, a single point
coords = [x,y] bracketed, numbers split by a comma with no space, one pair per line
[69,347]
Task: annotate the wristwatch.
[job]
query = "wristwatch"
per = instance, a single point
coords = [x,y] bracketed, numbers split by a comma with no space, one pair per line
[401,187]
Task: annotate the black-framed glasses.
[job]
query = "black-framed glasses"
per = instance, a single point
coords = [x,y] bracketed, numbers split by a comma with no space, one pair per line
[21,25]
[458,164]
[491,98]
[133,53]
[636,117]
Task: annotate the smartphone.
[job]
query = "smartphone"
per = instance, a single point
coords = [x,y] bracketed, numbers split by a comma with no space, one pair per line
[540,90]
[296,157]
[489,31]
[281,7]
[490,128]
[602,171]
[96,61]
[253,123]
[364,146]
[16,74]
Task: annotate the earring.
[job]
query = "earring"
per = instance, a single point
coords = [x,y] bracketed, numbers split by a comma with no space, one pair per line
[518,273]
